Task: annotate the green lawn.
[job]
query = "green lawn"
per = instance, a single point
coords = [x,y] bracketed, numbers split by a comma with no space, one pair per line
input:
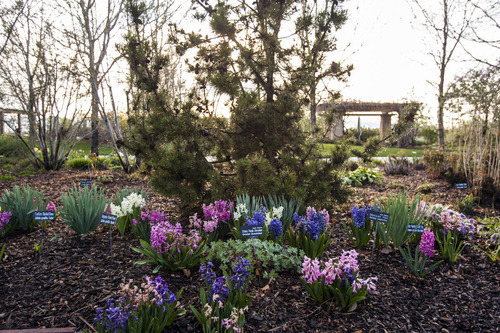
[384,152]
[104,149]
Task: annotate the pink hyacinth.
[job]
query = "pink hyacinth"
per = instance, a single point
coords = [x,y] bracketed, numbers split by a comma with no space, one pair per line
[51,207]
[311,270]
[427,243]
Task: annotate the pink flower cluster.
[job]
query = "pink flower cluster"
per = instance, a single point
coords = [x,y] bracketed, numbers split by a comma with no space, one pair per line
[51,207]
[427,243]
[166,237]
[332,271]
[453,221]
[214,213]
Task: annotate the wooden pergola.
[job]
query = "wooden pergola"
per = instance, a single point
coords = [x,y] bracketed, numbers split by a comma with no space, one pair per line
[11,111]
[383,110]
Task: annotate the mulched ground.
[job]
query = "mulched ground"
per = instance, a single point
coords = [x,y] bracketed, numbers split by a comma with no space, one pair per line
[74,275]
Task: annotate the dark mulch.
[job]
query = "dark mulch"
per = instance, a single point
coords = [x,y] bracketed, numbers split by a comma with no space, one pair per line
[75,275]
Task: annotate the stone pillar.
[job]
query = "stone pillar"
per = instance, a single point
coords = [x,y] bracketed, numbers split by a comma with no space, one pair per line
[385,124]
[338,129]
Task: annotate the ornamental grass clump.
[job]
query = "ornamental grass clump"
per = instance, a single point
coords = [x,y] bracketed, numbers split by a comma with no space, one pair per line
[224,299]
[127,209]
[360,229]
[402,212]
[150,308]
[82,209]
[22,202]
[170,249]
[215,225]
[337,280]
[310,232]
[425,250]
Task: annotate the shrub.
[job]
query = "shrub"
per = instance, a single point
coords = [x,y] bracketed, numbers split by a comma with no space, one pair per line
[434,159]
[82,208]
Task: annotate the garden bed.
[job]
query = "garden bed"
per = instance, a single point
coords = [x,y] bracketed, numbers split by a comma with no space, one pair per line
[74,275]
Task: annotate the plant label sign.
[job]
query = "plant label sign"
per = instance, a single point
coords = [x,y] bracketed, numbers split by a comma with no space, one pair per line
[461,186]
[378,216]
[416,228]
[44,215]
[251,230]
[108,219]
[84,183]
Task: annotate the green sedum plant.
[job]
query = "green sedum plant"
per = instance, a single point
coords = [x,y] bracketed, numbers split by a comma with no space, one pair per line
[266,258]
[362,176]
[82,208]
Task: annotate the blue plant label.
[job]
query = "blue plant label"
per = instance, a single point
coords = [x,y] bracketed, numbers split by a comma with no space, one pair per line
[108,219]
[416,228]
[461,186]
[377,216]
[251,231]
[84,183]
[44,215]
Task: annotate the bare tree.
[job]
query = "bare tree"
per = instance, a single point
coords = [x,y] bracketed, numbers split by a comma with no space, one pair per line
[446,21]
[90,34]
[40,83]
[8,22]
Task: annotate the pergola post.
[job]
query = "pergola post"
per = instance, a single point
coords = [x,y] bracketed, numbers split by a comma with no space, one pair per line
[385,124]
[338,129]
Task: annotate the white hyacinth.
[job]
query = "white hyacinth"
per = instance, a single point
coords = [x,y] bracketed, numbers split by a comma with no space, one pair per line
[128,204]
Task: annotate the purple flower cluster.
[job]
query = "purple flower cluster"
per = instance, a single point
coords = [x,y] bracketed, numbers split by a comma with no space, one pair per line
[4,219]
[115,316]
[221,211]
[151,217]
[241,273]
[276,228]
[259,216]
[313,223]
[427,243]
[217,287]
[358,216]
[159,292]
[166,237]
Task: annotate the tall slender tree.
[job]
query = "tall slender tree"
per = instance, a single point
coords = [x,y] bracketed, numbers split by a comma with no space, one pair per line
[447,22]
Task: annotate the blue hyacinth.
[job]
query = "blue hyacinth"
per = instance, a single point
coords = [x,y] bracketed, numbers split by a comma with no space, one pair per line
[276,228]
[358,216]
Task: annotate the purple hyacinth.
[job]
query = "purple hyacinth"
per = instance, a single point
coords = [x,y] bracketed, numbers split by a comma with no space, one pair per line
[207,273]
[219,288]
[4,219]
[241,273]
[358,216]
[115,316]
[276,228]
